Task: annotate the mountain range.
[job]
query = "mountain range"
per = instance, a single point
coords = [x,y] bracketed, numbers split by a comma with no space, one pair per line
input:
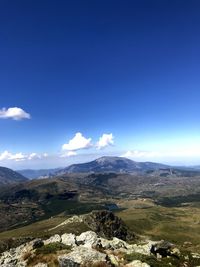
[91,182]
[103,164]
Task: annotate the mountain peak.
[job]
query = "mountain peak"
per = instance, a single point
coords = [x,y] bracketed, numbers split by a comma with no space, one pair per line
[111,159]
[111,164]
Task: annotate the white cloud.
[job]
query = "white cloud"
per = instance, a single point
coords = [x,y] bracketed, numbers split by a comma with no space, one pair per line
[6,155]
[69,154]
[18,157]
[9,156]
[175,153]
[14,113]
[105,140]
[34,156]
[77,142]
[140,154]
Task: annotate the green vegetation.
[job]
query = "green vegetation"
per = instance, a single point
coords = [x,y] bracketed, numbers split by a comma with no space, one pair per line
[178,225]
[185,259]
[70,207]
[52,248]
[177,201]
[47,254]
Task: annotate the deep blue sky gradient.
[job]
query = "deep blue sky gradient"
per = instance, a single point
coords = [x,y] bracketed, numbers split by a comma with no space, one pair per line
[127,67]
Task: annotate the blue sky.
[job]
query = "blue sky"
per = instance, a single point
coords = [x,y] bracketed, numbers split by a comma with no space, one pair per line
[125,73]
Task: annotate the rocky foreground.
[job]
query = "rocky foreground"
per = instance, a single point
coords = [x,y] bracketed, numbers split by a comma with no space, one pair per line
[108,245]
[83,250]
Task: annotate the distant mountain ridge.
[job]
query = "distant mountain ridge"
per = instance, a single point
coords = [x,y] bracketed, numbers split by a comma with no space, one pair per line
[105,164]
[8,176]
[41,173]
[111,164]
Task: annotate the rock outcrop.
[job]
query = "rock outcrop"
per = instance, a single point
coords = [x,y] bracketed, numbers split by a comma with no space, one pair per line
[81,255]
[107,225]
[107,245]
[88,248]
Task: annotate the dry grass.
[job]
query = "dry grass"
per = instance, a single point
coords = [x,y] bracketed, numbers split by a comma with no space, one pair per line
[50,259]
[27,255]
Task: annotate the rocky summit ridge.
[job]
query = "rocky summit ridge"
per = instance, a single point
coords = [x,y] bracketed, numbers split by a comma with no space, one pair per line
[109,245]
[87,249]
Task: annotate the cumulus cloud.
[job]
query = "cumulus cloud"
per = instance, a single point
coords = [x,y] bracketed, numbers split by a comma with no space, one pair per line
[14,113]
[6,155]
[77,142]
[105,140]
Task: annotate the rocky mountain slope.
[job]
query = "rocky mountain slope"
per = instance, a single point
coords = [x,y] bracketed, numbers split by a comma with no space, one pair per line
[8,176]
[112,164]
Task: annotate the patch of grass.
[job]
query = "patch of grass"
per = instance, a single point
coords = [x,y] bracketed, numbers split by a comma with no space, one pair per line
[137,256]
[52,248]
[185,259]
[177,225]
[47,254]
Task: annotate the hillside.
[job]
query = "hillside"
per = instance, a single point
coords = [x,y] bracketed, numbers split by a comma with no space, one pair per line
[75,193]
[8,176]
[38,199]
[112,164]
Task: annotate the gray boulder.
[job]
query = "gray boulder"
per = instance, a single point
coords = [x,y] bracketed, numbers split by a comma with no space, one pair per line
[79,256]
[88,239]
[53,239]
[68,239]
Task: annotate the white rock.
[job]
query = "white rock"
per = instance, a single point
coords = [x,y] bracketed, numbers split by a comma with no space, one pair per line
[114,260]
[88,239]
[81,255]
[41,265]
[115,243]
[142,249]
[53,239]
[137,263]
[68,239]
[196,255]
[15,256]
